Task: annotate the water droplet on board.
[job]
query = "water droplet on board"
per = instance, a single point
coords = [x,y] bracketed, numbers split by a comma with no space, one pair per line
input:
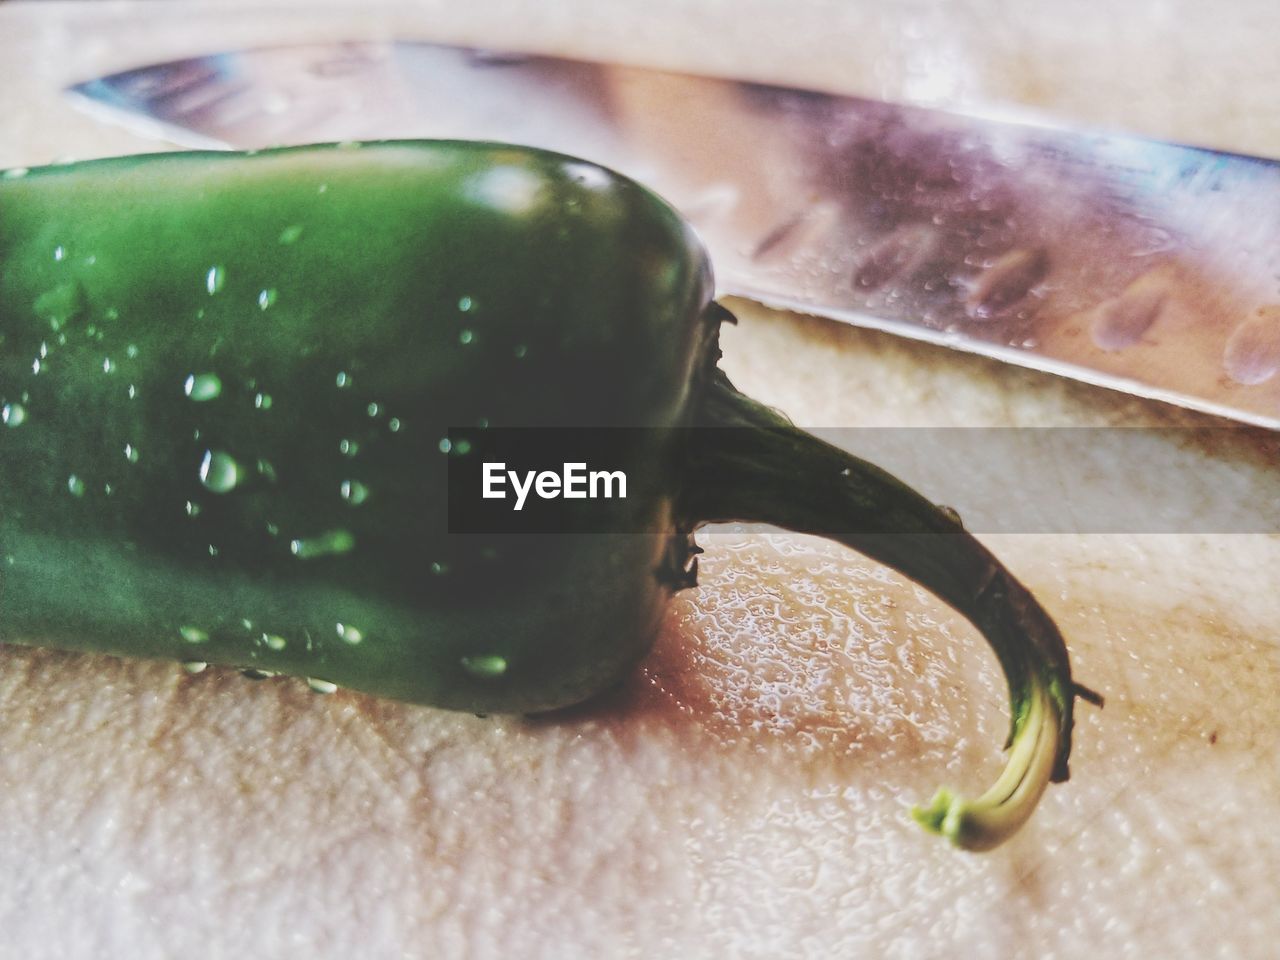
[394,424]
[131,453]
[13,414]
[348,448]
[274,641]
[343,380]
[262,401]
[193,509]
[321,686]
[290,234]
[350,634]
[465,304]
[59,253]
[215,279]
[193,634]
[488,667]
[1122,320]
[1252,354]
[75,486]
[1006,282]
[201,387]
[445,445]
[219,471]
[323,545]
[372,409]
[354,492]
[521,351]
[194,666]
[267,298]
[465,337]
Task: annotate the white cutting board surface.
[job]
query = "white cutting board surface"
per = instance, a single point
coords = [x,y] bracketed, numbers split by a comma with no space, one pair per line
[745,794]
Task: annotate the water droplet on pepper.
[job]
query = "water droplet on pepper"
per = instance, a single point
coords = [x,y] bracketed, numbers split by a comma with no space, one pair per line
[219,471]
[326,544]
[193,634]
[202,386]
[350,634]
[354,492]
[215,279]
[485,667]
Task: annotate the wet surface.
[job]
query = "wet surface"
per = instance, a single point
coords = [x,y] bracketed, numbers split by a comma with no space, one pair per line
[763,754]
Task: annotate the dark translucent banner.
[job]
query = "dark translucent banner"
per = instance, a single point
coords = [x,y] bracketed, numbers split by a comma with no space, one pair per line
[999,480]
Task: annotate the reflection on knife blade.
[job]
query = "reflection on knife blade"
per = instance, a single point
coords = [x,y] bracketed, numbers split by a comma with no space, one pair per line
[1144,266]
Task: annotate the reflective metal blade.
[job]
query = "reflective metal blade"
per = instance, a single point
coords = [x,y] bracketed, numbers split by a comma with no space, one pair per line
[1149,267]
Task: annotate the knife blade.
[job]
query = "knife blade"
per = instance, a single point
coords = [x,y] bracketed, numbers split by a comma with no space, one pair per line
[1148,267]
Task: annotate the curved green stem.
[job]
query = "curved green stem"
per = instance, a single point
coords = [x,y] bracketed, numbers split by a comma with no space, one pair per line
[993,817]
[750,464]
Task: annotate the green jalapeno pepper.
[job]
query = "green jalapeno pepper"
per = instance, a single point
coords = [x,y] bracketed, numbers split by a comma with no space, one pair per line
[227,384]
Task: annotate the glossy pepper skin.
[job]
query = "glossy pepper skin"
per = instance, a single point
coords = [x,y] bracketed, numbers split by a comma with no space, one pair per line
[235,373]
[227,383]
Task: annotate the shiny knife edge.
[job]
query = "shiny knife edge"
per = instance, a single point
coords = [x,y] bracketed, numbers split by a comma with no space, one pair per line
[755,107]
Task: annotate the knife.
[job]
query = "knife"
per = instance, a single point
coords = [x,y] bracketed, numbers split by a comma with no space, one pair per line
[1148,267]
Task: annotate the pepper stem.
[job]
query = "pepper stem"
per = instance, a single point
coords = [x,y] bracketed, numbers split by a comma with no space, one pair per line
[750,464]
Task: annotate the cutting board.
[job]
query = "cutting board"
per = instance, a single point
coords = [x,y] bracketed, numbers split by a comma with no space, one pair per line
[745,793]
